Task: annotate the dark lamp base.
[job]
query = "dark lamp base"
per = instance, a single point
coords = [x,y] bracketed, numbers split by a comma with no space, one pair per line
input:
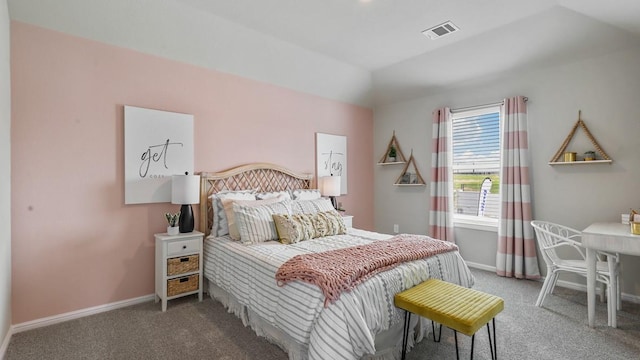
[334,202]
[186,219]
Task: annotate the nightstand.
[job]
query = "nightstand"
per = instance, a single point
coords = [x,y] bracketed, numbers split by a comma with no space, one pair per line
[178,266]
[348,220]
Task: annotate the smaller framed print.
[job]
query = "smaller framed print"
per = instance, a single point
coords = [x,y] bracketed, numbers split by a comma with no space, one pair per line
[331,158]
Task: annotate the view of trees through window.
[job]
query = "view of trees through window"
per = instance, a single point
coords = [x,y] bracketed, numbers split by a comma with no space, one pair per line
[476,162]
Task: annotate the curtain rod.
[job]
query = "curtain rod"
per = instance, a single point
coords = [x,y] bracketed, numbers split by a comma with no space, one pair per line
[476,107]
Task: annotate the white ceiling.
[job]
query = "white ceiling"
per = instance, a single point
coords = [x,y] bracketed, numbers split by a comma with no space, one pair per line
[366,52]
[374,34]
[385,36]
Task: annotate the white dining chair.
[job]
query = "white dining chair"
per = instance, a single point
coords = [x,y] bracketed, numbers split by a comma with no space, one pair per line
[552,237]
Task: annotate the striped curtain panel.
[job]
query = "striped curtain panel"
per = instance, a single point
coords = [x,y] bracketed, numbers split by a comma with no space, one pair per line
[441,185]
[516,247]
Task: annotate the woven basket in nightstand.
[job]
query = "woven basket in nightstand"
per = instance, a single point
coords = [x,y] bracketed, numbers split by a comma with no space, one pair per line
[183,264]
[182,285]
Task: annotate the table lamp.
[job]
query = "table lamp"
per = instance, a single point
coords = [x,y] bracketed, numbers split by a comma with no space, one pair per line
[185,190]
[330,186]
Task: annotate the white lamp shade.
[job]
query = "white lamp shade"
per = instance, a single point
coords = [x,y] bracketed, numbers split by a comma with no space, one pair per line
[185,189]
[329,185]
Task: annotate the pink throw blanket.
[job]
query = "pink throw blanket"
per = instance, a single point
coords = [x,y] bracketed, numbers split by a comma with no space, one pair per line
[335,271]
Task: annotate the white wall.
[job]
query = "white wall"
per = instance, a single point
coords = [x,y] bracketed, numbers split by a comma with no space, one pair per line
[605,88]
[174,31]
[5,178]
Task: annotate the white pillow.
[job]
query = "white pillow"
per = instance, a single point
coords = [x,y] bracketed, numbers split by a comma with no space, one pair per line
[231,218]
[220,225]
[311,206]
[306,194]
[273,194]
[255,223]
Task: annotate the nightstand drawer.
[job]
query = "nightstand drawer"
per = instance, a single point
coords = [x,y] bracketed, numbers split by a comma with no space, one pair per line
[183,247]
[183,284]
[183,264]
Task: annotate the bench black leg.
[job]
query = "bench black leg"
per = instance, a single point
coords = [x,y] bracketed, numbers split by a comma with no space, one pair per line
[455,336]
[405,332]
[473,337]
[492,345]
[494,348]
[493,340]
[433,329]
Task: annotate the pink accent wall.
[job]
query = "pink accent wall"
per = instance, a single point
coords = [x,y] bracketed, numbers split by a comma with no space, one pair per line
[75,244]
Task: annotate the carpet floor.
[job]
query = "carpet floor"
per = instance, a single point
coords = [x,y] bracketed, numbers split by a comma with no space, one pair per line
[205,330]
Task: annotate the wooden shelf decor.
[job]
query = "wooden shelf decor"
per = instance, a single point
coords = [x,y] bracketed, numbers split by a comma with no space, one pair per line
[580,162]
[407,178]
[386,159]
[556,158]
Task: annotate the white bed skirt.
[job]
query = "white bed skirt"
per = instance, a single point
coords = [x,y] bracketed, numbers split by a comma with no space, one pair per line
[388,343]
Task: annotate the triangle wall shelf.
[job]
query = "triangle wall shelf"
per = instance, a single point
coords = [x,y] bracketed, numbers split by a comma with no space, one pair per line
[604,158]
[410,179]
[392,149]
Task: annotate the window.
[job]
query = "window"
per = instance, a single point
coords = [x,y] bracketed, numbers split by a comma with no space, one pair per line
[476,165]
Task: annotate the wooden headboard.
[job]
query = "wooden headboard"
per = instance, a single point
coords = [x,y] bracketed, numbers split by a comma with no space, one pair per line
[263,177]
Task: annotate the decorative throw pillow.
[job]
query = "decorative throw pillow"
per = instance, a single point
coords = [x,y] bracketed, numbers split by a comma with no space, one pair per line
[255,223]
[328,223]
[311,206]
[320,225]
[293,228]
[335,222]
[220,226]
[273,194]
[288,231]
[306,194]
[307,230]
[231,219]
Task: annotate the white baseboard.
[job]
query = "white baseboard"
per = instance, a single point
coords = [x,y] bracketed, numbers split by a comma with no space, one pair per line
[562,283]
[38,323]
[583,287]
[630,298]
[5,343]
[481,266]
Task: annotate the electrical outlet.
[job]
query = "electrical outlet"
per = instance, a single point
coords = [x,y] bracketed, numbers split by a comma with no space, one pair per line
[396,228]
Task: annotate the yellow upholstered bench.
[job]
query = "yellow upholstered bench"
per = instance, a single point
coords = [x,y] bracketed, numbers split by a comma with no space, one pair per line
[457,307]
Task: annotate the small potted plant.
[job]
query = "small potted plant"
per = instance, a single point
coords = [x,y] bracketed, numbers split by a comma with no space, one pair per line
[172,220]
[392,153]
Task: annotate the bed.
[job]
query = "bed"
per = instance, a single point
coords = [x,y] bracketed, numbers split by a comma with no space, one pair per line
[361,323]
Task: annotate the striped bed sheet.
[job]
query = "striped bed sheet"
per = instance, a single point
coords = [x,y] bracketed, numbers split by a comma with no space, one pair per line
[346,329]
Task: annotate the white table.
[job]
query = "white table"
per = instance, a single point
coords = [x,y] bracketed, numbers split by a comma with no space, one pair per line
[613,238]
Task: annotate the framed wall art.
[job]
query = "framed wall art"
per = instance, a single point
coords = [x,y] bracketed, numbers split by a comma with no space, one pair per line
[157,144]
[331,158]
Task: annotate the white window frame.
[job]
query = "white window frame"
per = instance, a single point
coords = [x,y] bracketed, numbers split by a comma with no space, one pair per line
[472,221]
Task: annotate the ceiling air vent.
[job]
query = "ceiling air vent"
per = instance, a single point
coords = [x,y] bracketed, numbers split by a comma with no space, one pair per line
[440,30]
